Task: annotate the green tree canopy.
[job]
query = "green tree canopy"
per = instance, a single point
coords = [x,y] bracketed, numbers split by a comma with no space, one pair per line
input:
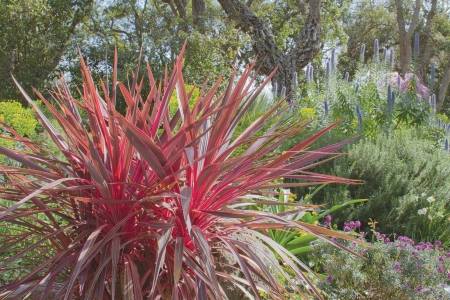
[34,35]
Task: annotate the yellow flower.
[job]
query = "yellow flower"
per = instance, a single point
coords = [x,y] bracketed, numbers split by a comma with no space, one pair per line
[372,223]
[307,113]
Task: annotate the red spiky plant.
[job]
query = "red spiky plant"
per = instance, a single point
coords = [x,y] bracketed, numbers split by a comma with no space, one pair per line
[139,207]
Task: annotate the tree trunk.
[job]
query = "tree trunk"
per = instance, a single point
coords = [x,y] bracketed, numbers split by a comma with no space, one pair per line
[405,53]
[443,87]
[198,14]
[406,34]
[426,42]
[268,55]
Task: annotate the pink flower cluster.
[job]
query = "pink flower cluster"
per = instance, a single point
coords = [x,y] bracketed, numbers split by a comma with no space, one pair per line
[404,84]
[352,225]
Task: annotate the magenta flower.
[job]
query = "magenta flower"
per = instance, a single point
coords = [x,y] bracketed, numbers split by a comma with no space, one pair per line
[352,225]
[330,279]
[403,84]
[397,267]
[327,220]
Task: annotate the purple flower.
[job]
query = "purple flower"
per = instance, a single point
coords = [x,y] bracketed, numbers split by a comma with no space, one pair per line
[416,45]
[325,107]
[397,267]
[382,237]
[424,246]
[327,220]
[441,268]
[352,225]
[362,52]
[376,50]
[437,244]
[432,74]
[330,279]
[403,84]
[359,116]
[405,241]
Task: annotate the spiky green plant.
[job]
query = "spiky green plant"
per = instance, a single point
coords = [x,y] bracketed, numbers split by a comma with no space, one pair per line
[298,242]
[139,208]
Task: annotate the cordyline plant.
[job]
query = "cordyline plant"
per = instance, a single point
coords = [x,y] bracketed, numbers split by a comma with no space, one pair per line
[140,204]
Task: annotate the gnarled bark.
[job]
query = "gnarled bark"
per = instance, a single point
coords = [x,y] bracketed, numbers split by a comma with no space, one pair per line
[268,54]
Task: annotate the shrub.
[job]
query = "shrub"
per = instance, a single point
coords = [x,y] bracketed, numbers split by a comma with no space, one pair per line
[18,117]
[362,106]
[140,205]
[406,181]
[193,92]
[399,270]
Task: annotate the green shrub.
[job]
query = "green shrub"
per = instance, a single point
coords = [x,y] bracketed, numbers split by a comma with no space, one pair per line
[173,101]
[406,181]
[369,92]
[20,118]
[396,270]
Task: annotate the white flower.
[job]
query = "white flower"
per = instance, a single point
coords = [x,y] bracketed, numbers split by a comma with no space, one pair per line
[423,194]
[431,199]
[422,211]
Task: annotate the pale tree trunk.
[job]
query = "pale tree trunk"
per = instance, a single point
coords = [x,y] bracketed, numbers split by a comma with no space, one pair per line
[405,35]
[426,43]
[443,87]
[405,53]
[268,55]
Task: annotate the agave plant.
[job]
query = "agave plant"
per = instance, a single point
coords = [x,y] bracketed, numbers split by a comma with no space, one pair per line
[137,206]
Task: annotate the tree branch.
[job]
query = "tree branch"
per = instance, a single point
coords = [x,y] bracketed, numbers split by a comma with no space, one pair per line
[263,42]
[400,16]
[308,43]
[415,18]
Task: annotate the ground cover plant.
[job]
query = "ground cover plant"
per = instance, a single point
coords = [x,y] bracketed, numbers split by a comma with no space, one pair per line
[141,204]
[392,268]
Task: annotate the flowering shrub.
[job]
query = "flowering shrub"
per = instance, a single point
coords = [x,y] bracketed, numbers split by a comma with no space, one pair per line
[376,100]
[409,82]
[399,269]
[406,181]
[145,205]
